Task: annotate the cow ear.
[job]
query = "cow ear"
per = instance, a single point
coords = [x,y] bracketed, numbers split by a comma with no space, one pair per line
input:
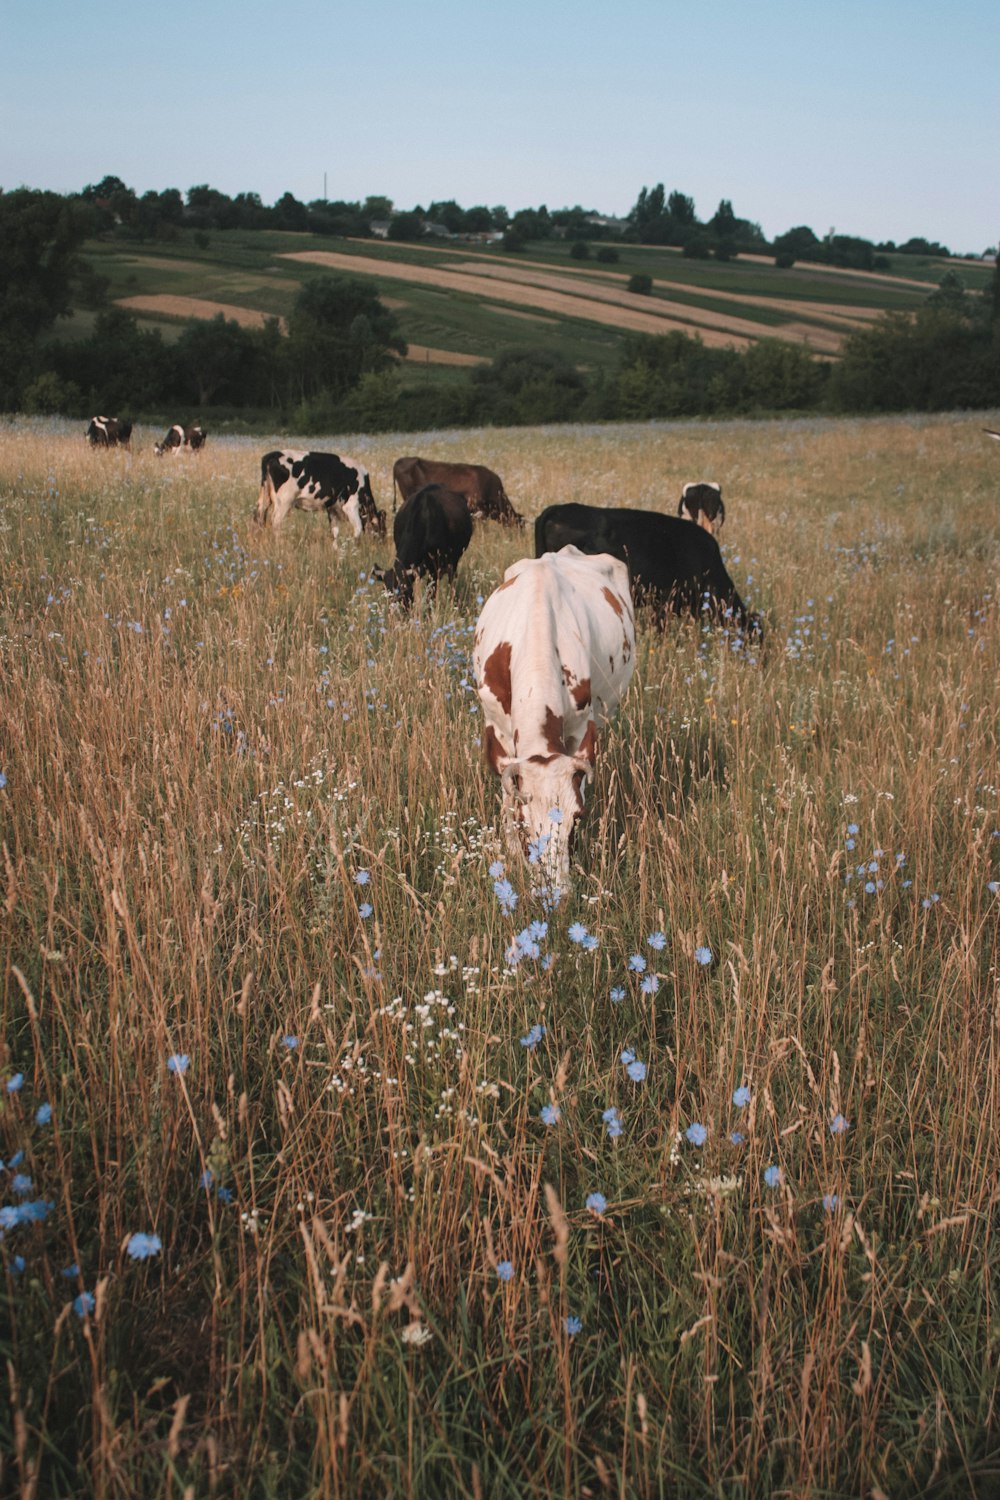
[584,769]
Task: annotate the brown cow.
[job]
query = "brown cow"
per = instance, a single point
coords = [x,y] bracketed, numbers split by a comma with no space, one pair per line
[483,490]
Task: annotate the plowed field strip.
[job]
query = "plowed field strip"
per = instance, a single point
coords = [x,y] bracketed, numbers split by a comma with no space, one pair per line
[196,307]
[423,354]
[625,311]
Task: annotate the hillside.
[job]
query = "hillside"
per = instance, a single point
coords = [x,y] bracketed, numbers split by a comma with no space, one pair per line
[459,304]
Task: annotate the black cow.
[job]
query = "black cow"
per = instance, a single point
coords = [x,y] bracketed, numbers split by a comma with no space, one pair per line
[702,503]
[109,432]
[317,481]
[180,437]
[431,531]
[671,564]
[483,490]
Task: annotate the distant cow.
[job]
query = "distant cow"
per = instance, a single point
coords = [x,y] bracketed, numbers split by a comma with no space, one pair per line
[702,503]
[317,481]
[553,653]
[431,531]
[178,438]
[483,490]
[671,564]
[109,432]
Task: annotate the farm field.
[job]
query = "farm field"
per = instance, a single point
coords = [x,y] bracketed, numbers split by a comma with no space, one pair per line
[458,298]
[281,1213]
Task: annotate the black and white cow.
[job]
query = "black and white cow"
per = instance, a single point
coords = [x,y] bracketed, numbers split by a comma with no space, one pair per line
[702,503]
[317,481]
[431,531]
[180,438]
[109,432]
[671,564]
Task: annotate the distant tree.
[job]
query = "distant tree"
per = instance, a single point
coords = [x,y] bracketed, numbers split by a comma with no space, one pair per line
[579,250]
[408,226]
[795,244]
[290,214]
[477,220]
[681,208]
[919,246]
[499,216]
[697,247]
[377,207]
[951,295]
[40,236]
[449,213]
[640,282]
[513,240]
[528,386]
[339,331]
[213,359]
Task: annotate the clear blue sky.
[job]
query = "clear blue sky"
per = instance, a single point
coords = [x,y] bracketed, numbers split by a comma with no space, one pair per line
[879,119]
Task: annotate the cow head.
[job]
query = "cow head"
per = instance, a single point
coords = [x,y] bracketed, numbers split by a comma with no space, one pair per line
[398,580]
[542,804]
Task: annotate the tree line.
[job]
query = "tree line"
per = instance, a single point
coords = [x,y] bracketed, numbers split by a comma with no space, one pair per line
[336,368]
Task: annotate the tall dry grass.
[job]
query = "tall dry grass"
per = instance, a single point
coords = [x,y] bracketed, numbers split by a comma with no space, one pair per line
[209,735]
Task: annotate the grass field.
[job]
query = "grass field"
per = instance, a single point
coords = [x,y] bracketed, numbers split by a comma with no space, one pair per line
[259,1005]
[459,298]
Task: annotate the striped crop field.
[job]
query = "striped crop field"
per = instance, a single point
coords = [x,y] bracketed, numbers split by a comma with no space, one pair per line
[335,1163]
[460,299]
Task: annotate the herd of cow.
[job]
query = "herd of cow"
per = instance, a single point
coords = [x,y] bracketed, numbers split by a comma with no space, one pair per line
[554,645]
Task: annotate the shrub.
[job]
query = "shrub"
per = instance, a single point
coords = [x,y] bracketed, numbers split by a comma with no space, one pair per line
[608,255]
[640,282]
[580,250]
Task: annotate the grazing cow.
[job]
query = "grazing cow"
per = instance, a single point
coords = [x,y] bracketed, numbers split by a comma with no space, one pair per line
[317,481]
[702,503]
[431,531]
[671,564]
[191,438]
[553,653]
[483,490]
[109,432]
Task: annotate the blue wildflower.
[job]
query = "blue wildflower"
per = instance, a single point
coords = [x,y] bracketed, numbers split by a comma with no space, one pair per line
[21,1183]
[43,1114]
[993,886]
[617,994]
[550,1114]
[611,1113]
[830,1202]
[505,894]
[590,942]
[496,869]
[839,1126]
[178,1062]
[533,1037]
[741,1096]
[538,930]
[772,1176]
[206,1179]
[696,1133]
[17,1264]
[636,1071]
[637,963]
[224,1194]
[15,1084]
[853,828]
[703,955]
[84,1304]
[291,1042]
[142,1246]
[656,940]
[597,1203]
[650,985]
[869,887]
[577,932]
[627,1056]
[70,1273]
[537,847]
[3,781]
[362,877]
[365,910]
[554,815]
[614,1129]
[737,1137]
[572,1326]
[35,1211]
[848,843]
[505,1269]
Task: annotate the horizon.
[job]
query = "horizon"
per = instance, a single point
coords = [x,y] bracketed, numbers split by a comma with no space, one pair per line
[867,125]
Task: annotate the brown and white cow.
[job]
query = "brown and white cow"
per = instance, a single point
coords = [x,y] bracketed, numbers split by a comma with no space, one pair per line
[554,651]
[180,439]
[702,503]
[483,489]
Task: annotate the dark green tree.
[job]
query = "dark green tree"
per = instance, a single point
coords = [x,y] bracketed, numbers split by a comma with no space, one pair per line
[338,331]
[40,235]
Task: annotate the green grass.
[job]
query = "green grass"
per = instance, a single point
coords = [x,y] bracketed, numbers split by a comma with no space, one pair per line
[186,809]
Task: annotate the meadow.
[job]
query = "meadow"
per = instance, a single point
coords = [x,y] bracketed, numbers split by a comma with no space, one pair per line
[335,1163]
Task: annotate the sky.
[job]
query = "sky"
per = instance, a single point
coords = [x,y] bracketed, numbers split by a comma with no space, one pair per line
[878,119]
